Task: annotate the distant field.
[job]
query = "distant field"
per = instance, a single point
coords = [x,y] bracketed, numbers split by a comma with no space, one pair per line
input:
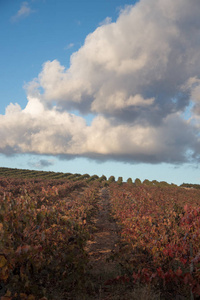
[23,173]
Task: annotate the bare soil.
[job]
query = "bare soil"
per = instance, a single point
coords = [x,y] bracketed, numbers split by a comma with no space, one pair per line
[100,249]
[101,267]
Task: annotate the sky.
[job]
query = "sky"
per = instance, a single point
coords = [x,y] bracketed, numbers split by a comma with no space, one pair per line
[101,87]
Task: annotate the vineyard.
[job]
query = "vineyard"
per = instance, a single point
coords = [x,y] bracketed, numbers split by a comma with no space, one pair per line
[72,236]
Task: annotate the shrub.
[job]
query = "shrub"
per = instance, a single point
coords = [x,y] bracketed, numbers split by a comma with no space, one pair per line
[138,182]
[111,179]
[120,180]
[129,181]
[102,178]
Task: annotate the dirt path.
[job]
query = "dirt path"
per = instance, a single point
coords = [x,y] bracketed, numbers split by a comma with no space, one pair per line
[101,248]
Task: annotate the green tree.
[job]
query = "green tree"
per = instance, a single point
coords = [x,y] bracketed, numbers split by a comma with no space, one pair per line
[163,184]
[111,179]
[120,180]
[147,182]
[138,182]
[129,181]
[155,182]
[102,178]
[92,178]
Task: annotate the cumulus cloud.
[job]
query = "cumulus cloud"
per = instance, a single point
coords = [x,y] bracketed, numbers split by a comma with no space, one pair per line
[23,12]
[50,131]
[106,21]
[150,53]
[38,131]
[136,75]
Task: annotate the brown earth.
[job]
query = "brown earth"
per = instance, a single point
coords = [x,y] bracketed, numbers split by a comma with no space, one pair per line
[100,249]
[101,267]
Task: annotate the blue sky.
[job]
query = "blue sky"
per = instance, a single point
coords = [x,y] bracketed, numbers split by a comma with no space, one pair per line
[50,30]
[101,87]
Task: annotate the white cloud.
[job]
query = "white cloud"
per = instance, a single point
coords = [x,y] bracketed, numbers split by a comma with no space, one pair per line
[23,12]
[137,75]
[146,52]
[49,131]
[34,107]
[106,21]
[69,46]
[38,131]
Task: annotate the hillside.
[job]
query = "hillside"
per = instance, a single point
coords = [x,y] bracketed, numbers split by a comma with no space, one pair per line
[71,236]
[25,173]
